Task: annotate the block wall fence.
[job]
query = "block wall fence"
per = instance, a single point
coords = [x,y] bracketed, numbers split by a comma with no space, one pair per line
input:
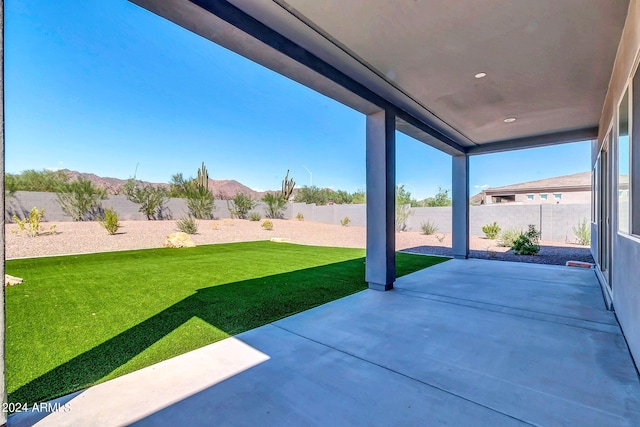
[555,221]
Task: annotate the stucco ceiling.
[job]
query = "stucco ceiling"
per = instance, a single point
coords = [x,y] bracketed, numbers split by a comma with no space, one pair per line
[547,62]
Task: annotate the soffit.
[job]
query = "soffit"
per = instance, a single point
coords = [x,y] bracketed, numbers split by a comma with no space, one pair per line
[548,62]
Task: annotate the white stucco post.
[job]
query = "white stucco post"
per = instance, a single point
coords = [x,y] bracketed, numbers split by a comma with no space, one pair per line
[460,210]
[381,182]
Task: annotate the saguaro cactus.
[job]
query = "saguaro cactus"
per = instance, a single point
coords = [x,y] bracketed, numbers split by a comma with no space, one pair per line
[203,177]
[287,186]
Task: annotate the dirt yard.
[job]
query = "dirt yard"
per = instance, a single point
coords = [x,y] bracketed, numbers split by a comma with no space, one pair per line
[87,237]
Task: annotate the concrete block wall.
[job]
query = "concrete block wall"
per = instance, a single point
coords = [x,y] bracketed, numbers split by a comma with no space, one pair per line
[556,221]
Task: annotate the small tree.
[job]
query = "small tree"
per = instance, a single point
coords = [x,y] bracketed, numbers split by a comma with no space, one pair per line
[78,197]
[441,198]
[275,204]
[240,205]
[403,208]
[200,201]
[150,198]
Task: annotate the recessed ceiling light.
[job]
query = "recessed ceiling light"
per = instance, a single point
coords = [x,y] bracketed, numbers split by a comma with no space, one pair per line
[509,120]
[480,75]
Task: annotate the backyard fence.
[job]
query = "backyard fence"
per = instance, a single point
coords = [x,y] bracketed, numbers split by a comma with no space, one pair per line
[555,221]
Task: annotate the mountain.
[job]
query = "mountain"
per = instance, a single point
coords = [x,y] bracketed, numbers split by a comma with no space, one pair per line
[222,188]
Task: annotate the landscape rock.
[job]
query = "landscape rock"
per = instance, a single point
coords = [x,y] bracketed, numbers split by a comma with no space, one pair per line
[11,280]
[178,240]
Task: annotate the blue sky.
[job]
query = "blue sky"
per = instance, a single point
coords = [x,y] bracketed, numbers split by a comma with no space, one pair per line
[103,86]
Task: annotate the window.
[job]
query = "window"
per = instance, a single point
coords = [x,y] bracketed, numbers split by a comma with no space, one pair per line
[623,163]
[557,196]
[543,197]
[529,196]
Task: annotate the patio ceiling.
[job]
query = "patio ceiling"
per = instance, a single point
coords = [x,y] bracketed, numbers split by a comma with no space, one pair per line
[547,63]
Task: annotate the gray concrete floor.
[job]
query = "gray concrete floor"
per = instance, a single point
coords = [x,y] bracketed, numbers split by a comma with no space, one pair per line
[467,342]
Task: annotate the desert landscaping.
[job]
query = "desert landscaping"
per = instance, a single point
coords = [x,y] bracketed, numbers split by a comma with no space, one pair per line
[89,236]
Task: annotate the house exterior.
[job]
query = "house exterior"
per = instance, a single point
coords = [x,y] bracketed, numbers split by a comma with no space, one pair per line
[468,79]
[575,188]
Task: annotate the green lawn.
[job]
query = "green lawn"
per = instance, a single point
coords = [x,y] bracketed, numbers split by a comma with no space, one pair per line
[79,320]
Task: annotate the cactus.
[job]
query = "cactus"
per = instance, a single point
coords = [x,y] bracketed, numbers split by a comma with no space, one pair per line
[287,186]
[203,177]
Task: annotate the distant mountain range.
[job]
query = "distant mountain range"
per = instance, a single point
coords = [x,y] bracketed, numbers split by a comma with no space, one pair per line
[222,188]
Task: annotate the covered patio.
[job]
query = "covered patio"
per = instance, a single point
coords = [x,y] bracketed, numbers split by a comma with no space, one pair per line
[467,342]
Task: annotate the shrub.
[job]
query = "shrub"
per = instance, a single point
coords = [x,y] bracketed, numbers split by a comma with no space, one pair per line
[31,224]
[507,237]
[200,202]
[150,198]
[33,180]
[275,205]
[267,225]
[345,221]
[240,205]
[428,228]
[187,225]
[583,233]
[110,221]
[402,213]
[78,197]
[300,217]
[255,216]
[527,243]
[491,230]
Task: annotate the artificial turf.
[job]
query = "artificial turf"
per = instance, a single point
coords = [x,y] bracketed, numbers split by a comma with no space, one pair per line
[82,319]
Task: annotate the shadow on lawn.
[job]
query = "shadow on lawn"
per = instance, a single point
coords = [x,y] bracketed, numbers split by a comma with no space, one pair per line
[232,308]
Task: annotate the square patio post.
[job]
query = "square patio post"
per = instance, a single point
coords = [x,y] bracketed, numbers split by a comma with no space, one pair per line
[381,182]
[460,209]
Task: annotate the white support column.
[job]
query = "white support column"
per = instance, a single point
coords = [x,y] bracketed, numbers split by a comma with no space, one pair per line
[381,182]
[460,198]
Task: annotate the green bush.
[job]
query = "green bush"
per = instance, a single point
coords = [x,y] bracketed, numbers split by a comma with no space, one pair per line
[150,198]
[428,228]
[110,221]
[33,180]
[267,225]
[79,197]
[507,237]
[527,243]
[583,233]
[31,224]
[300,217]
[275,205]
[200,202]
[187,225]
[491,230]
[345,221]
[240,205]
[255,216]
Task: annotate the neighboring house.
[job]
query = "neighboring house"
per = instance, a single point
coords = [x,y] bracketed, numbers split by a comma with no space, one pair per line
[575,188]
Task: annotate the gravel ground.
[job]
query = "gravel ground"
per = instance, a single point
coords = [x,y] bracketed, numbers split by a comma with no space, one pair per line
[87,237]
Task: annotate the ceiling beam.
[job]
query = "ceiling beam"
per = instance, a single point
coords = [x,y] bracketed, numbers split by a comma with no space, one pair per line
[565,137]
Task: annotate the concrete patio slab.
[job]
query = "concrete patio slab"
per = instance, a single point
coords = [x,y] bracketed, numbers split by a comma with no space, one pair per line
[467,342]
